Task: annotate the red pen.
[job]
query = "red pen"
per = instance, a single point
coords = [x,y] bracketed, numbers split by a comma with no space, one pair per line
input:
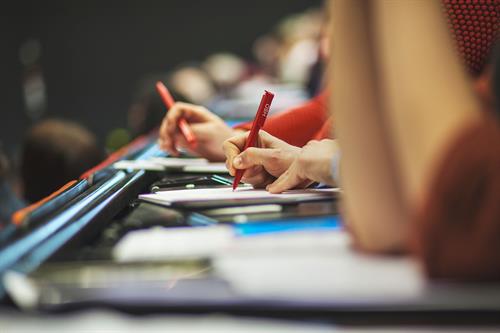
[258,122]
[169,102]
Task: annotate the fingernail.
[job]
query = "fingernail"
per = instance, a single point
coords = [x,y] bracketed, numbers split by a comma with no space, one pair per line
[237,161]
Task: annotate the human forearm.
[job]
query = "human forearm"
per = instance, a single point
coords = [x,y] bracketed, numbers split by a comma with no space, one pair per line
[427,96]
[371,200]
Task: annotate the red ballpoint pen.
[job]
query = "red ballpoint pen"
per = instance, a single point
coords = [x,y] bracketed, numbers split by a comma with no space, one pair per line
[258,122]
[169,102]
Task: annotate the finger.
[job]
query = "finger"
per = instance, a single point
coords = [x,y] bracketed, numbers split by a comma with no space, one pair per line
[304,184]
[180,141]
[232,147]
[252,172]
[174,114]
[260,180]
[166,141]
[257,156]
[286,181]
[230,150]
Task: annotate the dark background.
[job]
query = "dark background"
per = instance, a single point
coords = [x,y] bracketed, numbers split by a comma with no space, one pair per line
[93,52]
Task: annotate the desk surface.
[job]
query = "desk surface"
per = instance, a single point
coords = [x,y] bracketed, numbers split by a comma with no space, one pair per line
[313,274]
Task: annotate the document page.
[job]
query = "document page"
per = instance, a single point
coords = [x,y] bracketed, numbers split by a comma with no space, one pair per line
[210,194]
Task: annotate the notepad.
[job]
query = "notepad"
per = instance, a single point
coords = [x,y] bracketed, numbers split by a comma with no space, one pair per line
[216,194]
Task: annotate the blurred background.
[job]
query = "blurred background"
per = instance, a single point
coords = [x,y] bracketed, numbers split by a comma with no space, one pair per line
[87,60]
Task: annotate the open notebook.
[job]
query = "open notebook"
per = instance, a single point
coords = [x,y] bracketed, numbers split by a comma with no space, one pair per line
[240,194]
[187,165]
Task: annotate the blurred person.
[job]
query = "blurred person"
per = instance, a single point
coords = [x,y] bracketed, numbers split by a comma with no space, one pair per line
[193,83]
[278,163]
[147,109]
[266,50]
[300,36]
[296,171]
[55,152]
[225,69]
[433,154]
[286,59]
[434,178]
[295,125]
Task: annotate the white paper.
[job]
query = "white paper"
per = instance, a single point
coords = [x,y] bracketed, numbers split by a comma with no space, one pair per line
[138,165]
[164,243]
[178,162]
[194,242]
[297,265]
[206,168]
[191,165]
[210,194]
[315,264]
[338,274]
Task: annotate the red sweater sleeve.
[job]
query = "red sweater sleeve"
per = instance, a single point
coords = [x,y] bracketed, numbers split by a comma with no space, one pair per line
[298,125]
[326,131]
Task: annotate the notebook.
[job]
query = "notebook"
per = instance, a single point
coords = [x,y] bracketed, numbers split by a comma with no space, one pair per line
[241,195]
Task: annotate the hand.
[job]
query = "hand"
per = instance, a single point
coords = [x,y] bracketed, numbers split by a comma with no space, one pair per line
[210,131]
[313,164]
[262,165]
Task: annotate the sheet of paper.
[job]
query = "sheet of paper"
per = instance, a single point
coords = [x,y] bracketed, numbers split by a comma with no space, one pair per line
[206,168]
[210,194]
[178,162]
[163,243]
[138,165]
[196,165]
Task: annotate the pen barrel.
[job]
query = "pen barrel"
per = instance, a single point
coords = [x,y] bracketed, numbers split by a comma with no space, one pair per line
[186,131]
[260,118]
[168,100]
[165,95]
[258,123]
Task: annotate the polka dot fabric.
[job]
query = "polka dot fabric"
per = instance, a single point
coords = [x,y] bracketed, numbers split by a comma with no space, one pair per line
[474,25]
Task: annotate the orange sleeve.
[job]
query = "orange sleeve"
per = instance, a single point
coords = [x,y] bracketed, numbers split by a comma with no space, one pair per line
[298,125]
[457,229]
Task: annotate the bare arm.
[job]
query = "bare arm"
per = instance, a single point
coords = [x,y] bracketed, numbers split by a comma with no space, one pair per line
[372,201]
[401,96]
[427,95]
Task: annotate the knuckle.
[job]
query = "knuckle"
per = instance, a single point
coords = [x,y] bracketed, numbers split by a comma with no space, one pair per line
[226,145]
[249,153]
[276,155]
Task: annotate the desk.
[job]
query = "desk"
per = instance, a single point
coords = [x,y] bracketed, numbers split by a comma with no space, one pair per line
[324,279]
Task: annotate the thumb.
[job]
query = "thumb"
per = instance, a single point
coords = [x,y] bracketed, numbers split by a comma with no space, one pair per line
[256,156]
[286,181]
